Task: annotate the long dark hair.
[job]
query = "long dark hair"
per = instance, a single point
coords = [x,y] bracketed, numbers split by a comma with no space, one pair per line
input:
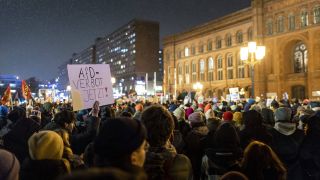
[259,157]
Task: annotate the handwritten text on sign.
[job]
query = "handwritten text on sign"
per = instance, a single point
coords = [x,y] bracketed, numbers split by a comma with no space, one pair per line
[90,82]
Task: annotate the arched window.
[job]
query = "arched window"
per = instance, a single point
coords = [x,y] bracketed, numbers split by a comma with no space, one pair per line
[230,66]
[201,65]
[228,40]
[250,34]
[280,24]
[304,18]
[193,50]
[269,27]
[218,43]
[316,15]
[300,58]
[210,69]
[220,67]
[292,22]
[239,37]
[201,49]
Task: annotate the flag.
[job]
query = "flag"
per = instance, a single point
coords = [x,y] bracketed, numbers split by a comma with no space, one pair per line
[26,93]
[6,96]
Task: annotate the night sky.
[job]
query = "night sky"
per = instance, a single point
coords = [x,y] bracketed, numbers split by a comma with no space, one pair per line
[36,36]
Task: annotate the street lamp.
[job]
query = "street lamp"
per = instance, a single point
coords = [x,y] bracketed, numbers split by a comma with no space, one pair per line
[256,54]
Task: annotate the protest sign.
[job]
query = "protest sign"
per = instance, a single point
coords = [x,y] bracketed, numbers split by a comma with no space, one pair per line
[90,83]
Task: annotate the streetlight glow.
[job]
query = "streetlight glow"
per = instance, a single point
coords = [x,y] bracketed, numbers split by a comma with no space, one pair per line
[256,54]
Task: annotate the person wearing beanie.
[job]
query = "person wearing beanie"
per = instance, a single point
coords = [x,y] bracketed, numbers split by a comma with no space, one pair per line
[9,166]
[45,162]
[139,109]
[194,147]
[121,143]
[188,111]
[227,116]
[249,104]
[286,141]
[3,116]
[162,159]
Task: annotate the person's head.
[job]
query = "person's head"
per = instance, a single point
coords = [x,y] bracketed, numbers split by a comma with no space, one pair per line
[196,119]
[252,119]
[16,114]
[126,114]
[139,107]
[65,119]
[45,145]
[257,157]
[226,136]
[227,116]
[233,175]
[121,143]
[282,114]
[313,125]
[159,124]
[9,166]
[3,111]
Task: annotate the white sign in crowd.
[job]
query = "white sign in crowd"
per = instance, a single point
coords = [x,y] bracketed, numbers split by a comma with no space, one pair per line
[90,83]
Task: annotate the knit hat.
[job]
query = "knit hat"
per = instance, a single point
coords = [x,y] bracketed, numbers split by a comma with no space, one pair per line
[139,107]
[283,114]
[188,112]
[227,116]
[251,101]
[196,117]
[45,145]
[207,107]
[172,107]
[9,166]
[119,137]
[179,113]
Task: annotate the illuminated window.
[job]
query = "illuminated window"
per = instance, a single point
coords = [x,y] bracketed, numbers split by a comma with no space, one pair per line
[187,74]
[300,58]
[210,69]
[201,64]
[186,51]
[304,18]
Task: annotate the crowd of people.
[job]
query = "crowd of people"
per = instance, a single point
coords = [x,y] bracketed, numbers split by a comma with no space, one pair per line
[176,140]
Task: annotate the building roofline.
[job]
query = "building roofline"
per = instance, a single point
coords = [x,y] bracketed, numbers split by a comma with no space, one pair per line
[215,24]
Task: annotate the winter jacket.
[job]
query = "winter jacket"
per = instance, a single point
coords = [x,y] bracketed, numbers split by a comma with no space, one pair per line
[165,163]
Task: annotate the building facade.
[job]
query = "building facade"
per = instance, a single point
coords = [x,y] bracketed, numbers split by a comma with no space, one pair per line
[210,53]
[132,51]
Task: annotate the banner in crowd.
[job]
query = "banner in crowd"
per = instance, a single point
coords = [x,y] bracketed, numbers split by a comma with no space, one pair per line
[26,93]
[90,83]
[6,95]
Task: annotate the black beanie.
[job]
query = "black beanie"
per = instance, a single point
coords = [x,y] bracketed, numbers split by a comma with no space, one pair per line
[119,137]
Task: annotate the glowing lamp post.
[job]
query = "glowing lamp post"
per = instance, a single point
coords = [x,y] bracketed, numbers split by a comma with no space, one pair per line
[256,54]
